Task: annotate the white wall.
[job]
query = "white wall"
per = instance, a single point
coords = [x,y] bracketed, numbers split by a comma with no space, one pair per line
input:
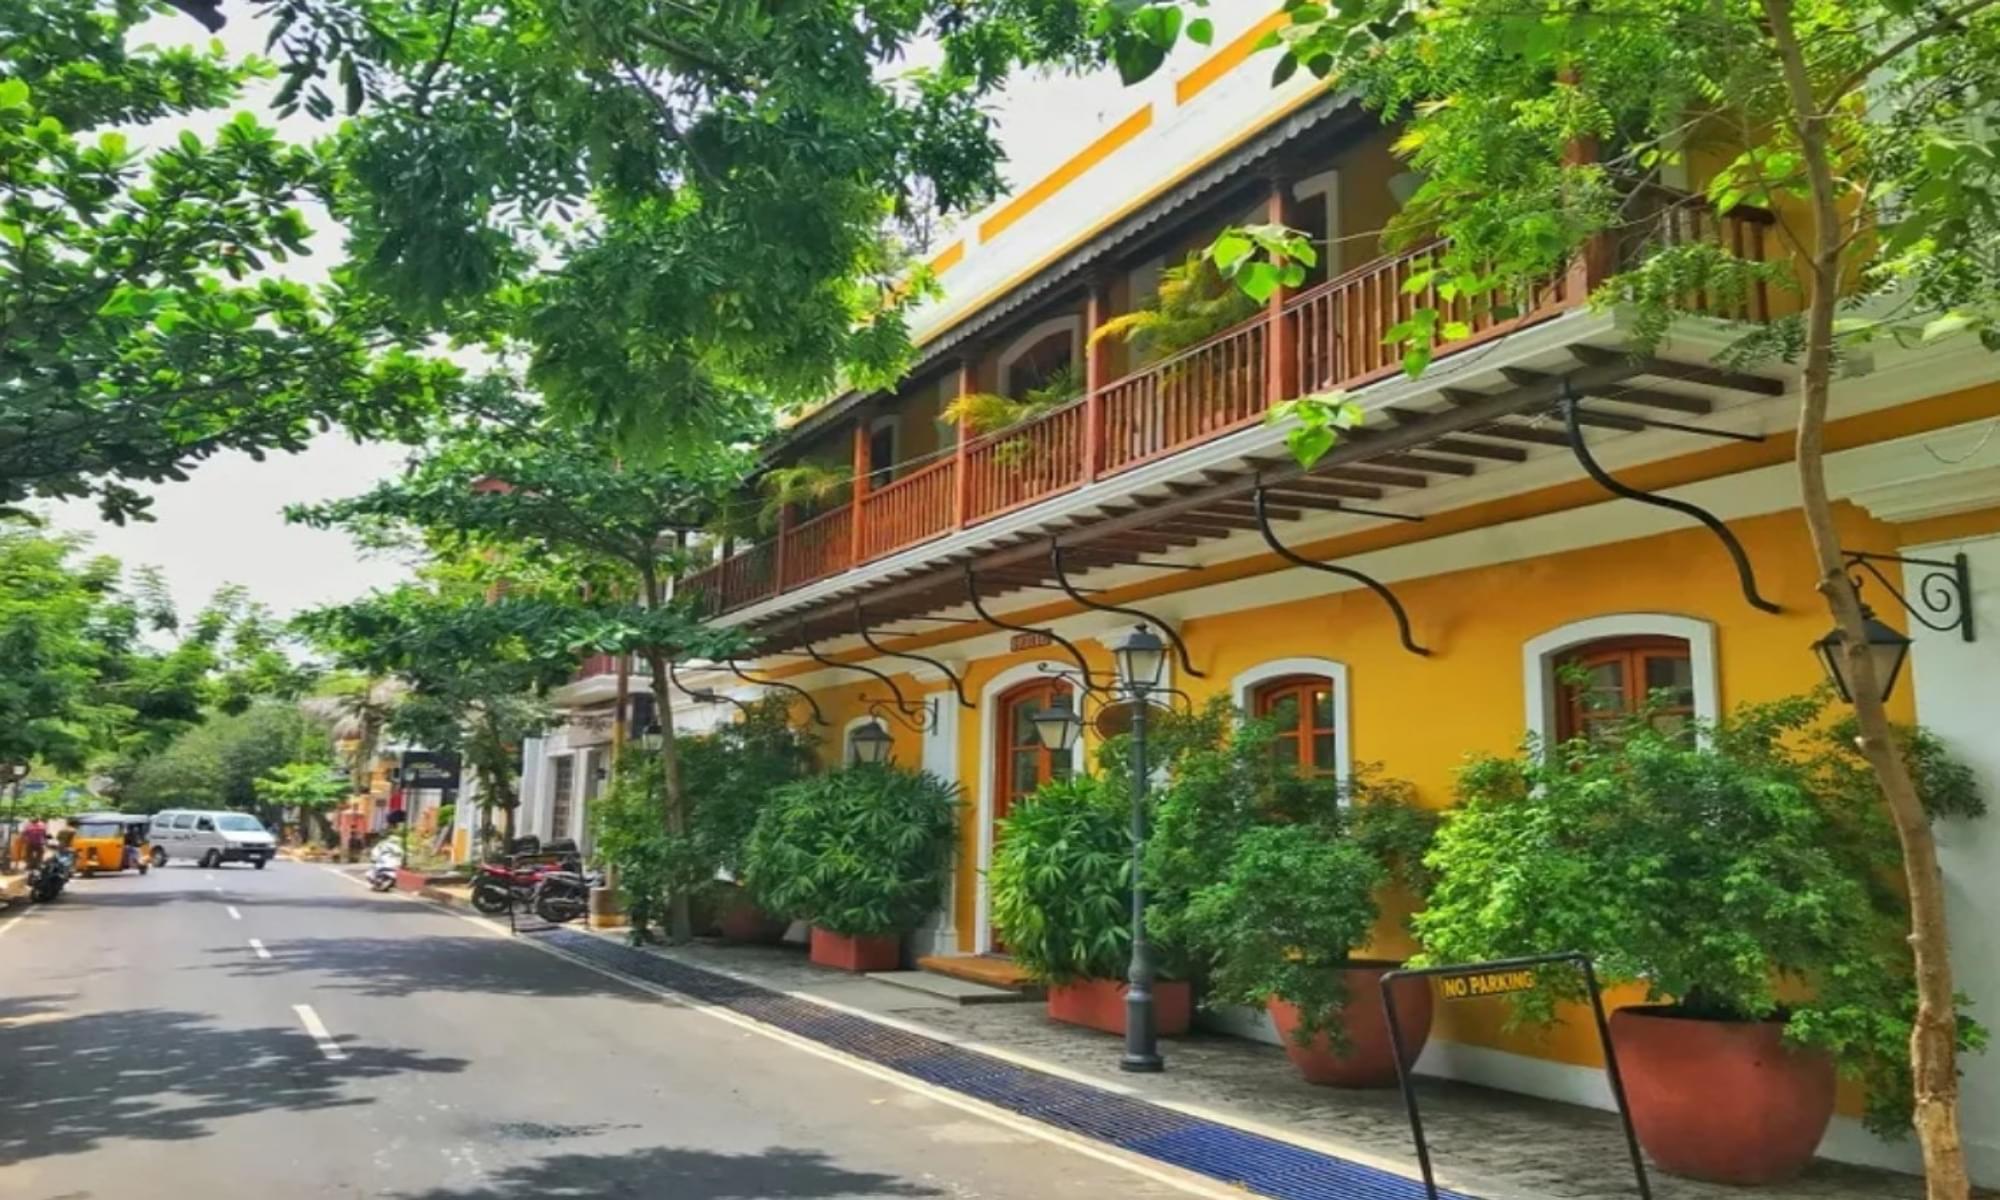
[1958,698]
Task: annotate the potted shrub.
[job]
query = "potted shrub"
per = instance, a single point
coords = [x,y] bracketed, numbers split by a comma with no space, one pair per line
[1061,885]
[1285,923]
[858,852]
[1729,870]
[730,776]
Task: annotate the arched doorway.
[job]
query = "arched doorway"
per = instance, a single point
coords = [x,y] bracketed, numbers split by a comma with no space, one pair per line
[1022,763]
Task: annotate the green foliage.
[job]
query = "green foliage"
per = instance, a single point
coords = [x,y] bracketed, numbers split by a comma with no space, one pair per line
[1267,879]
[987,412]
[1720,871]
[672,208]
[1947,787]
[860,850]
[809,484]
[1196,301]
[652,865]
[219,763]
[96,668]
[1292,903]
[1061,881]
[140,328]
[732,773]
[306,786]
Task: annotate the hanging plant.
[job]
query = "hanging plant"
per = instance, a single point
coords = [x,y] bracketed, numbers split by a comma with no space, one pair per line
[809,484]
[988,412]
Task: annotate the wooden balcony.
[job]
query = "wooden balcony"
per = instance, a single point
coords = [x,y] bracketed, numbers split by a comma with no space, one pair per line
[1329,337]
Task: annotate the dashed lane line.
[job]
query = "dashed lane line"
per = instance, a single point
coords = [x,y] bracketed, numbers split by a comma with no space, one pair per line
[320,1036]
[258,945]
[233,914]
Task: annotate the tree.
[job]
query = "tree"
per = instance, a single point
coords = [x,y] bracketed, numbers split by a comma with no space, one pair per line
[1865,127]
[308,788]
[672,205]
[142,328]
[560,502]
[474,670]
[218,763]
[49,607]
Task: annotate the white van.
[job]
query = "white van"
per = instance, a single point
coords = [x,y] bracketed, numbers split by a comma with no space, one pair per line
[211,838]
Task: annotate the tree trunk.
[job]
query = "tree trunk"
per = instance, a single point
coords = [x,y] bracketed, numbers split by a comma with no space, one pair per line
[1934,1039]
[674,794]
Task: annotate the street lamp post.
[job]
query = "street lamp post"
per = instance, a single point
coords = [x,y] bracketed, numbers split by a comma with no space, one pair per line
[1142,657]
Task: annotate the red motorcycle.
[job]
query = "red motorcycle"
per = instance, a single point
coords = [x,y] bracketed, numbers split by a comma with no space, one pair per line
[512,883]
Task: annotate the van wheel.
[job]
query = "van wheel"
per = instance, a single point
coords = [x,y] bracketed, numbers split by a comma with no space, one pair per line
[159,857]
[144,867]
[211,860]
[258,863]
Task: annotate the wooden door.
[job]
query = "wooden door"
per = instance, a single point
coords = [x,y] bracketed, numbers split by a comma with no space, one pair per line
[1025,764]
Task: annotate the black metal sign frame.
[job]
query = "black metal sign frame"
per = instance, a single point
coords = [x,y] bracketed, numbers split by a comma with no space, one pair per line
[1581,962]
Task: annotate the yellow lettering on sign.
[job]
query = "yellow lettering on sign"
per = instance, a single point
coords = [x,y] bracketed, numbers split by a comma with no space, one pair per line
[1486,983]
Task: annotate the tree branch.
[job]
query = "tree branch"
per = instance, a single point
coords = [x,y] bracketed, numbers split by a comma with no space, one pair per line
[1898,47]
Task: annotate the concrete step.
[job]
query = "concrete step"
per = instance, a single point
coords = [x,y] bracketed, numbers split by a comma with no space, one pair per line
[944,987]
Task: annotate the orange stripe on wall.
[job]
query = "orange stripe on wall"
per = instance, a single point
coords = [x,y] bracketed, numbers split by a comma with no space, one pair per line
[1225,60]
[1060,178]
[947,258]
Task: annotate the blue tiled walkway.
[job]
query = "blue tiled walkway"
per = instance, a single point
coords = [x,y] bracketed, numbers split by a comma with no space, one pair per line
[1263,1165]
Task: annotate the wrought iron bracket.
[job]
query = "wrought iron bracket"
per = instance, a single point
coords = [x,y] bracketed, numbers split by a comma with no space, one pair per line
[1368,581]
[1117,693]
[1944,591]
[903,703]
[921,717]
[868,636]
[1076,594]
[819,718]
[972,593]
[1746,577]
[703,695]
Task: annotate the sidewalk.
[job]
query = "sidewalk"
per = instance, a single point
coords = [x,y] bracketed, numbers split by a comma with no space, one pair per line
[1485,1143]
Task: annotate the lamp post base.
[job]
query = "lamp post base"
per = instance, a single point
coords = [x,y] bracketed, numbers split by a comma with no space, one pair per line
[1142,1064]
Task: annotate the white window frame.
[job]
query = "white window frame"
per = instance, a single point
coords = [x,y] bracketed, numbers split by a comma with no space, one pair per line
[1539,655]
[989,729]
[1244,687]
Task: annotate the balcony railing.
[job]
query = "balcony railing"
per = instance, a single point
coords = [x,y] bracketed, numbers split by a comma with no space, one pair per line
[1331,336]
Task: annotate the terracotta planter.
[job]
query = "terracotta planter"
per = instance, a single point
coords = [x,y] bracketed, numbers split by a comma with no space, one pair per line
[868,952]
[1370,1061]
[739,920]
[1100,1004]
[410,881]
[1724,1101]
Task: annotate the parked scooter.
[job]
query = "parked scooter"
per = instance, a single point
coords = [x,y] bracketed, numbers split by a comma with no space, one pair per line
[498,886]
[383,865]
[563,896]
[46,881]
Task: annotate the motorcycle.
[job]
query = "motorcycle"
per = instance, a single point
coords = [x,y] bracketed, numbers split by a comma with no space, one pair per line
[563,896]
[383,865]
[498,886]
[46,881]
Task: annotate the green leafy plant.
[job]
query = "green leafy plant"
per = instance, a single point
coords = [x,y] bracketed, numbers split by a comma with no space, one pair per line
[1268,879]
[1727,872]
[1196,301]
[1061,881]
[859,851]
[651,865]
[809,484]
[732,773]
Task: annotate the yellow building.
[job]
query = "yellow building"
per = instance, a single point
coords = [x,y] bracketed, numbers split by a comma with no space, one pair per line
[1462,502]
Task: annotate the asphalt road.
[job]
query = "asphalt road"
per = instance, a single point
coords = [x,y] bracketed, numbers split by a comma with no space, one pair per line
[285,1033]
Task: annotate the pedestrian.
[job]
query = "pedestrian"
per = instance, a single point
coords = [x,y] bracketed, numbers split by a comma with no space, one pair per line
[34,840]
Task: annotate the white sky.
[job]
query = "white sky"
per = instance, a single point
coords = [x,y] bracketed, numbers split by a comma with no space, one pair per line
[226,523]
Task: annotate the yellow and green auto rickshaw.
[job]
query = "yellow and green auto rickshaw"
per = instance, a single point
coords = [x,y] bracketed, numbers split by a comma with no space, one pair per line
[111,842]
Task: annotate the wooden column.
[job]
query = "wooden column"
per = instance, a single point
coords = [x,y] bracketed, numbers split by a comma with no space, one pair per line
[1096,373]
[778,547]
[968,383]
[861,482]
[1281,356]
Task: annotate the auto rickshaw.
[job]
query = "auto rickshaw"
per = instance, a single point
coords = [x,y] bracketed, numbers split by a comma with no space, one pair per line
[112,842]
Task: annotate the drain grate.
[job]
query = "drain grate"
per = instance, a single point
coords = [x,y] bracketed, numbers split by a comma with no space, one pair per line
[1264,1165]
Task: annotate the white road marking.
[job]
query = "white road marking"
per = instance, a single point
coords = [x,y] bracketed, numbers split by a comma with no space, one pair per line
[9,926]
[208,876]
[1124,1160]
[258,946]
[317,1028]
[233,914]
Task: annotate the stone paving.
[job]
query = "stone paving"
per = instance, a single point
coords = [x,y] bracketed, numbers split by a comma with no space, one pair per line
[1490,1143]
